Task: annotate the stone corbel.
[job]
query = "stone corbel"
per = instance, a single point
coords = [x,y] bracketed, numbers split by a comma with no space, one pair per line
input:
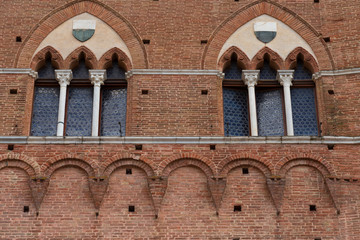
[98,188]
[217,187]
[332,184]
[157,186]
[276,187]
[38,188]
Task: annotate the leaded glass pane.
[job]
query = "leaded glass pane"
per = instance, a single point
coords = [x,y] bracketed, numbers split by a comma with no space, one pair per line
[301,73]
[45,111]
[236,121]
[269,113]
[233,71]
[304,112]
[266,72]
[79,111]
[113,111]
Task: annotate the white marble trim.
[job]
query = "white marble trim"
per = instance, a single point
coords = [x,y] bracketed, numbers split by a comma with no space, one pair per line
[180,140]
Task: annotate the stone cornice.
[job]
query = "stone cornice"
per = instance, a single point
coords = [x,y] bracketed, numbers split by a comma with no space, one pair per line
[28,71]
[340,72]
[173,72]
[179,140]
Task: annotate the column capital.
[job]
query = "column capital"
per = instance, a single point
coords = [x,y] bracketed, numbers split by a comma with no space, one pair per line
[250,77]
[285,77]
[63,76]
[97,77]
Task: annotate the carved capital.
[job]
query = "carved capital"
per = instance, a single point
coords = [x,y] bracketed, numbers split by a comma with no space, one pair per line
[63,77]
[97,77]
[285,77]
[250,77]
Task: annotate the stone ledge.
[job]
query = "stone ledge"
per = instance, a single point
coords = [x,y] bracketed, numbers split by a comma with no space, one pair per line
[179,140]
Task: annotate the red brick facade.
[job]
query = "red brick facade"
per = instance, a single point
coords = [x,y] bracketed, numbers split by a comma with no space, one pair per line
[181,189]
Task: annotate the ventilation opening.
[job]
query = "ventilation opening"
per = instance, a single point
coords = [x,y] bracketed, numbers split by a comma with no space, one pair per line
[237,208]
[326,39]
[236,238]
[18,39]
[245,171]
[212,147]
[317,238]
[236,0]
[204,92]
[26,209]
[128,171]
[316,1]
[330,146]
[331,92]
[144,92]
[131,208]
[146,41]
[204,41]
[13,91]
[11,147]
[312,208]
[96,214]
[138,147]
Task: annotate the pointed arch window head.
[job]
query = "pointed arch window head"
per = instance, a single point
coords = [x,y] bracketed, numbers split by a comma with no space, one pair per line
[81,71]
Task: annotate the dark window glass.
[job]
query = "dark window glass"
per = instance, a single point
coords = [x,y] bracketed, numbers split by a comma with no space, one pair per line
[236,121]
[266,72]
[233,71]
[45,111]
[79,111]
[304,111]
[47,71]
[113,111]
[81,71]
[269,112]
[301,73]
[115,72]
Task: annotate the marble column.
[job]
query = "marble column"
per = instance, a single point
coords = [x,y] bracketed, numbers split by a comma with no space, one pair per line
[63,77]
[250,78]
[285,78]
[97,78]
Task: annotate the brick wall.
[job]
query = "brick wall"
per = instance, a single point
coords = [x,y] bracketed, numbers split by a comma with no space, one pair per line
[181,191]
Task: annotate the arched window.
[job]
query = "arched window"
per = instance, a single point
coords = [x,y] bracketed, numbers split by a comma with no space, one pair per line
[46,101]
[113,101]
[303,101]
[79,101]
[235,103]
[269,102]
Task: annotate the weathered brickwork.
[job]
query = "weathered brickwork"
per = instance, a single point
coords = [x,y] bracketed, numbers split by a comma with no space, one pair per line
[182,190]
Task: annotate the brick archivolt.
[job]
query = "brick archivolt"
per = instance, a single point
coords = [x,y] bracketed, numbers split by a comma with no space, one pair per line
[303,35]
[132,45]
